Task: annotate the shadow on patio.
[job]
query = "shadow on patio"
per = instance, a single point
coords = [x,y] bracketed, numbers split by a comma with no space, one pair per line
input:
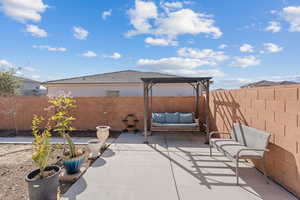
[172,166]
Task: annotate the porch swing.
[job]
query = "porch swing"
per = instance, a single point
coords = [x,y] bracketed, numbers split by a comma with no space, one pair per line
[176,122]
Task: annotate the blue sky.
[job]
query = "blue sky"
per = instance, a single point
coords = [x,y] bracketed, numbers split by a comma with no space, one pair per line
[234,41]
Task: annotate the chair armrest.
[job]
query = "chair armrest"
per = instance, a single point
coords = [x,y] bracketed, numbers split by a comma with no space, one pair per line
[251,149]
[217,132]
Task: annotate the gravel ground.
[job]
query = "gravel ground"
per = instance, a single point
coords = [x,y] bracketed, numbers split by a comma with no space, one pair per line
[15,163]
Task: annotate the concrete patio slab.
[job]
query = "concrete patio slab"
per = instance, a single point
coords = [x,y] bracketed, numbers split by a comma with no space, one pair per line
[135,142]
[126,175]
[215,178]
[186,142]
[54,140]
[169,169]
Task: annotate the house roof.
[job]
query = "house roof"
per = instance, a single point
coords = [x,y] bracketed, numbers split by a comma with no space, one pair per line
[127,76]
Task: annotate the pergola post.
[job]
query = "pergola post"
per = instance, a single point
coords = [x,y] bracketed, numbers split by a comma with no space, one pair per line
[146,110]
[207,110]
[197,101]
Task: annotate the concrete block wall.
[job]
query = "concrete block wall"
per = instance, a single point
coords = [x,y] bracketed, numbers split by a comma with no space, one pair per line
[275,110]
[91,111]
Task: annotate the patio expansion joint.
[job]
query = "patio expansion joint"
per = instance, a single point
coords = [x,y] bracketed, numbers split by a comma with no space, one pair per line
[172,170]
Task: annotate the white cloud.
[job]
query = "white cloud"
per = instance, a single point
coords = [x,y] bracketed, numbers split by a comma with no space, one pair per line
[207,54]
[140,15]
[186,21]
[49,48]
[222,46]
[29,68]
[35,31]
[160,41]
[187,62]
[174,4]
[196,72]
[80,33]
[6,64]
[172,63]
[272,48]
[115,55]
[273,27]
[35,76]
[106,14]
[89,54]
[169,6]
[291,14]
[245,61]
[180,66]
[23,10]
[146,20]
[246,48]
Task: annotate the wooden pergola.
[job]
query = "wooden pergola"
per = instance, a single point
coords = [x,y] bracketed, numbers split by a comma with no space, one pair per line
[195,82]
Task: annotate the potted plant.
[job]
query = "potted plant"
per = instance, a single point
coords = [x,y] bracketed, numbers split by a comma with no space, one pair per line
[62,106]
[73,158]
[43,182]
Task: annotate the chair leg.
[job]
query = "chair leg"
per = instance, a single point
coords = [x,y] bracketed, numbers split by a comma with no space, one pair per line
[237,171]
[264,170]
[210,151]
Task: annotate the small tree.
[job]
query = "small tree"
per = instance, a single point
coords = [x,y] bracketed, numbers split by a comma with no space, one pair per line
[9,85]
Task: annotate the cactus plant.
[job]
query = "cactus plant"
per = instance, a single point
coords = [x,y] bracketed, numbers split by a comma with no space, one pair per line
[72,150]
[73,158]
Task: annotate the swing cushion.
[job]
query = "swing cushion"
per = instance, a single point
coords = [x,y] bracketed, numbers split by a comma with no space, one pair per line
[172,118]
[174,122]
[186,118]
[159,117]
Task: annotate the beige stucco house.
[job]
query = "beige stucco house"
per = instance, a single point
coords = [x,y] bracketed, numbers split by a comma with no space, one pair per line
[29,87]
[121,83]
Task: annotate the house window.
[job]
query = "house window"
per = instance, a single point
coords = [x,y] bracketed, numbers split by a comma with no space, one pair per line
[112,93]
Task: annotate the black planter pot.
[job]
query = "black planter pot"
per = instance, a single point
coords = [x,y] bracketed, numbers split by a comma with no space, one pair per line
[43,189]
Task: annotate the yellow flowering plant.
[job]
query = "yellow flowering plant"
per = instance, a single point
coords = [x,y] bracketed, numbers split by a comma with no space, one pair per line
[42,149]
[62,119]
